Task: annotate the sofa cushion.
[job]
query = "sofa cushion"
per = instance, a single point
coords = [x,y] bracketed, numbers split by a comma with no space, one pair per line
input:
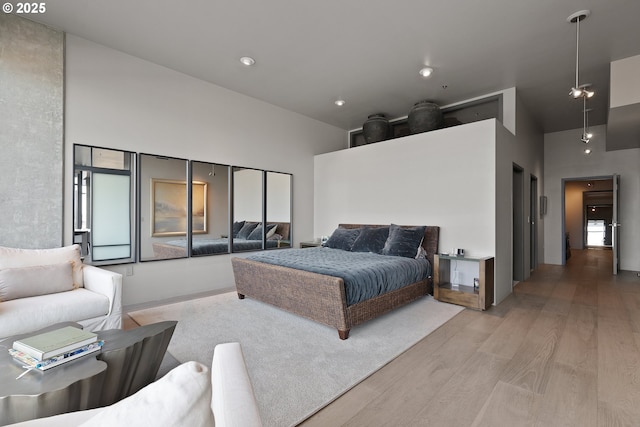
[13,258]
[180,398]
[25,282]
[24,315]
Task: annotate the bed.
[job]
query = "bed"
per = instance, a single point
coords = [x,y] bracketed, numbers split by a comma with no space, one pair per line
[177,248]
[322,297]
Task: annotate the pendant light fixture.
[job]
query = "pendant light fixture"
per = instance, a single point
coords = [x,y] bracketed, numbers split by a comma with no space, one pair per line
[586,135]
[579,90]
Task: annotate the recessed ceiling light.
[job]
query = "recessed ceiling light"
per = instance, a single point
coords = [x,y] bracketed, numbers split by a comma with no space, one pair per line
[340,102]
[247,60]
[426,71]
[587,151]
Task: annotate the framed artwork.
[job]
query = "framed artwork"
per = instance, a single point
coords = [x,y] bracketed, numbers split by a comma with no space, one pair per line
[169,207]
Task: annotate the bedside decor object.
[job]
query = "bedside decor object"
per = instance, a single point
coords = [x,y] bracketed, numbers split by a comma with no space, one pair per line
[424,116]
[376,128]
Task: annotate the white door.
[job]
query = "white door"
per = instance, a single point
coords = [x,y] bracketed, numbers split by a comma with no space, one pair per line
[615,225]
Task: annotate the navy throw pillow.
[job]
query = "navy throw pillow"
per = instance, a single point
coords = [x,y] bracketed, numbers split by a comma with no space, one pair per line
[371,240]
[403,241]
[343,238]
[246,229]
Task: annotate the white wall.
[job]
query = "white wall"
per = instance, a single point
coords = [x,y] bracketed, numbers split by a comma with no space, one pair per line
[625,89]
[444,177]
[118,101]
[503,221]
[564,159]
[525,149]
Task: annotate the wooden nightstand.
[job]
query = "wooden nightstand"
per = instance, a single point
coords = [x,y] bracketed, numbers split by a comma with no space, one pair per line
[479,298]
[310,244]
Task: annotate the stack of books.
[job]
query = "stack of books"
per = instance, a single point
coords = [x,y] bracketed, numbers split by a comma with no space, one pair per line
[49,349]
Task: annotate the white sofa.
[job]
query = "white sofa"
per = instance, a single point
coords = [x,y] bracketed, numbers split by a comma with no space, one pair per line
[189,395]
[41,287]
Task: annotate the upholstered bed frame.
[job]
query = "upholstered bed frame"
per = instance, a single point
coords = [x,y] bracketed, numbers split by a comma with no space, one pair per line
[320,297]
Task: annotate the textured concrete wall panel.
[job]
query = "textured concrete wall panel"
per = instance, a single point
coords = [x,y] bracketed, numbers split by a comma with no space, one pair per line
[31,133]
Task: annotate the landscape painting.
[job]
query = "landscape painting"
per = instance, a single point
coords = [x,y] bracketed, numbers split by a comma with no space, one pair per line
[169,208]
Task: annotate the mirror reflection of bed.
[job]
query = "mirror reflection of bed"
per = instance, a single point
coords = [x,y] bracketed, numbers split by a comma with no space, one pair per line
[277,237]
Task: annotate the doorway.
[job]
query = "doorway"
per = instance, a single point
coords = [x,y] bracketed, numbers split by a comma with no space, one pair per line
[518,223]
[533,223]
[589,215]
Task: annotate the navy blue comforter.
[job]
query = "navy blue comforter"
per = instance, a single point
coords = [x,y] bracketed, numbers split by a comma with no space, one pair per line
[366,275]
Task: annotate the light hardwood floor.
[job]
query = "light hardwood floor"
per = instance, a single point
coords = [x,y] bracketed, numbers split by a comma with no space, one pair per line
[562,350]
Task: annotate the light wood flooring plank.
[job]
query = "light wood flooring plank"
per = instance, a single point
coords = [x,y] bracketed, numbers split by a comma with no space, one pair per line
[587,293]
[469,387]
[610,415]
[570,399]
[618,366]
[508,405]
[561,298]
[530,368]
[411,392]
[578,346]
[631,301]
[509,336]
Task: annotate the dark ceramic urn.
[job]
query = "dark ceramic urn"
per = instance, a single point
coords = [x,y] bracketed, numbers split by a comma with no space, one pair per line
[424,116]
[376,128]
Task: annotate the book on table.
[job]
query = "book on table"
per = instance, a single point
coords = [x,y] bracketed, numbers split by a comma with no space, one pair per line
[52,343]
[31,362]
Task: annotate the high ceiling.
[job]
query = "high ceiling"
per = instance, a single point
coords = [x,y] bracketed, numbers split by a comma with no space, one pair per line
[308,54]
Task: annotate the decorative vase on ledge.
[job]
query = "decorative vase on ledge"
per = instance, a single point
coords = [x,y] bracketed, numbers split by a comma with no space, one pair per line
[376,128]
[424,116]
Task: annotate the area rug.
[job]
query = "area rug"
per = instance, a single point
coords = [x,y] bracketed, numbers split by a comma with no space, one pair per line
[297,366]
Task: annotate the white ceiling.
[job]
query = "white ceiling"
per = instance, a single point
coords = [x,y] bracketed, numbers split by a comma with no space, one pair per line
[308,54]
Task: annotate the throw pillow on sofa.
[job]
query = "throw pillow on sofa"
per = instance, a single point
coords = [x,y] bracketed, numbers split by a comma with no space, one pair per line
[23,282]
[14,258]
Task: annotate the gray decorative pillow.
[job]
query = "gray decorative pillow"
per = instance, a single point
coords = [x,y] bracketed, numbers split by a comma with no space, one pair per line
[403,241]
[246,229]
[237,226]
[371,240]
[256,234]
[343,238]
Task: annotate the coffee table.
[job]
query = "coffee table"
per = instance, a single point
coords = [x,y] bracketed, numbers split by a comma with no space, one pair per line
[128,361]
[69,387]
